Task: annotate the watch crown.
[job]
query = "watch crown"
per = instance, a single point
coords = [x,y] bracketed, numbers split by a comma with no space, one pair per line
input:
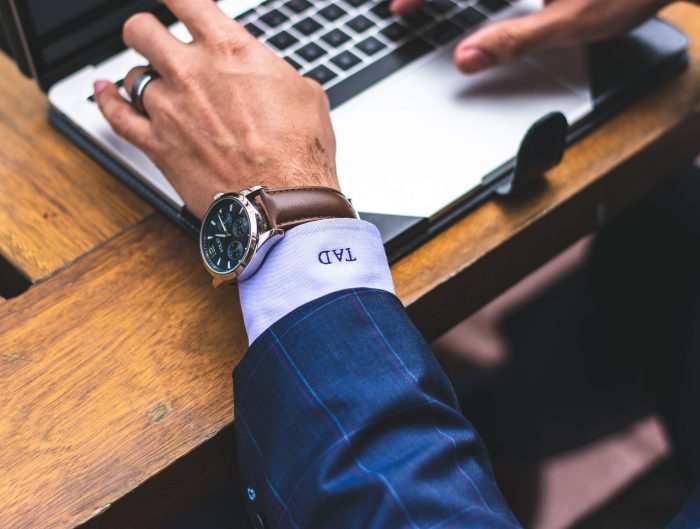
[218,196]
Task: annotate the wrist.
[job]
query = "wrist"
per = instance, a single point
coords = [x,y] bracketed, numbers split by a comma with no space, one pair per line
[239,229]
[320,173]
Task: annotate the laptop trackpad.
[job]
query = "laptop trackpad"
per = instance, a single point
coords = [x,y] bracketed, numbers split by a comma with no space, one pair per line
[424,137]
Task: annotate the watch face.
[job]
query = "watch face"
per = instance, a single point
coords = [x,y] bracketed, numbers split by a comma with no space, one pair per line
[226,235]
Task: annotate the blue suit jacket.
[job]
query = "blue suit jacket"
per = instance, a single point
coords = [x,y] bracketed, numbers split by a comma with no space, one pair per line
[344,419]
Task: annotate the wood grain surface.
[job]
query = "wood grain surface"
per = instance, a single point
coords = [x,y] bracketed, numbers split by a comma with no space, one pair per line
[116,407]
[111,371]
[55,202]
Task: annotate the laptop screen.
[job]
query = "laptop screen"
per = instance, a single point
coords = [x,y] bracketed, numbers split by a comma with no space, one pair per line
[67,26]
[64,35]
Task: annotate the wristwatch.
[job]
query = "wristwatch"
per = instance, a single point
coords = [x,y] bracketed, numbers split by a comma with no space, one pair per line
[240,228]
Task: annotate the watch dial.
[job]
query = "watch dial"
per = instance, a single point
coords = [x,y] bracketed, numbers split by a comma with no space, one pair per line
[226,235]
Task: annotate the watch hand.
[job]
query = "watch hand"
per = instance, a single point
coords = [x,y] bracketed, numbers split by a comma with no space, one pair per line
[224,235]
[222,224]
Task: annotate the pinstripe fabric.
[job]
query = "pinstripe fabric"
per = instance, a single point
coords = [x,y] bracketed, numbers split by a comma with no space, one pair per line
[344,419]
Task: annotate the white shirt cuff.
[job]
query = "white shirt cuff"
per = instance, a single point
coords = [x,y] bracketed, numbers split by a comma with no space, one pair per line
[311,261]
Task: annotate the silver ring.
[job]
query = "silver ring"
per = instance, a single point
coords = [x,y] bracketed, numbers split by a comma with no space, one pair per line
[138,88]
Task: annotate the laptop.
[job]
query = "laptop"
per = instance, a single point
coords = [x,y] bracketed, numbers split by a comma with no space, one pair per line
[419,144]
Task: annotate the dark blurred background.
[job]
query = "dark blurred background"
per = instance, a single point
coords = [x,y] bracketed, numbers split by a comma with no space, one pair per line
[3,44]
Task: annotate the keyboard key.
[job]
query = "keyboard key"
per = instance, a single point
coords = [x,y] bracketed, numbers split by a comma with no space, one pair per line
[245,14]
[332,12]
[417,19]
[298,6]
[253,29]
[440,6]
[444,6]
[321,74]
[443,33]
[360,24]
[294,63]
[282,40]
[382,9]
[311,52]
[336,37]
[375,72]
[307,26]
[357,3]
[346,60]
[274,18]
[371,46]
[395,32]
[493,5]
[469,18]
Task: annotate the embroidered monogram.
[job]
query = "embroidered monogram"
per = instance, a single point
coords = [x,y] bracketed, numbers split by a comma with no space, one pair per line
[339,255]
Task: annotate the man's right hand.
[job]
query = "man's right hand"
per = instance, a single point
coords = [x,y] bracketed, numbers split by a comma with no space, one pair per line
[559,23]
[226,113]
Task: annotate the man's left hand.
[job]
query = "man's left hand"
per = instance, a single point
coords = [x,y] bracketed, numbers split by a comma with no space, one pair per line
[559,23]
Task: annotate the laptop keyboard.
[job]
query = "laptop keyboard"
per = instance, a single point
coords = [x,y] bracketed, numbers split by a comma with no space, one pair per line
[349,45]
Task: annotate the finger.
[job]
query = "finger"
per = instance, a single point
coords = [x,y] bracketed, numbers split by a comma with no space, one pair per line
[148,36]
[152,93]
[203,18]
[401,7]
[559,23]
[505,41]
[132,75]
[123,119]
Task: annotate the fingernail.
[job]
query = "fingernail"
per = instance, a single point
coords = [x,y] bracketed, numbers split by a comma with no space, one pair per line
[100,85]
[473,60]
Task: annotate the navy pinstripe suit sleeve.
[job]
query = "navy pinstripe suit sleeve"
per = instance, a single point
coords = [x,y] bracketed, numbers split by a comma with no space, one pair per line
[344,419]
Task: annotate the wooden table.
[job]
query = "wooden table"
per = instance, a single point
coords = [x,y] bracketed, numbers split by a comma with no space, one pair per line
[116,406]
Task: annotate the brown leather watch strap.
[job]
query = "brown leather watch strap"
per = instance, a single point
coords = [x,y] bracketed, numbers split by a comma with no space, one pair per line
[290,207]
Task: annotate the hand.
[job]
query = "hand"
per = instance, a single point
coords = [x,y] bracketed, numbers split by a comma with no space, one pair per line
[226,114]
[560,23]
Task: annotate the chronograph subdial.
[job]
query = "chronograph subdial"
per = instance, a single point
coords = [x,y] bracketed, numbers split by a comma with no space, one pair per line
[240,227]
[235,251]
